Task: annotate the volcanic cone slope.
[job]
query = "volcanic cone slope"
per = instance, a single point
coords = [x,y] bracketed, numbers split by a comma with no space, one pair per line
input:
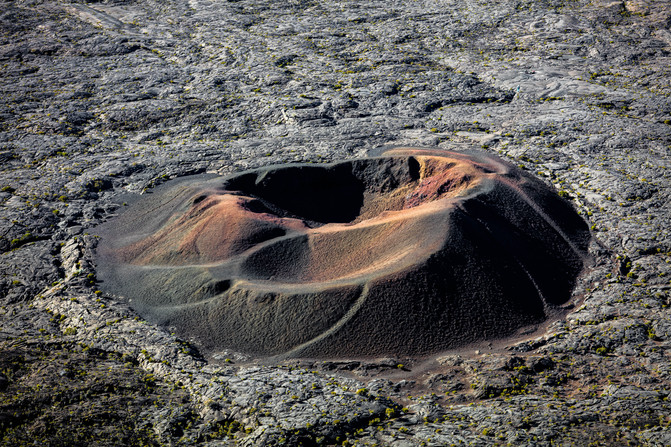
[409,252]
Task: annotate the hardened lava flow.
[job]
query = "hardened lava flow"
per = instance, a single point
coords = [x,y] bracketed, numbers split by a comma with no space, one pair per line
[410,252]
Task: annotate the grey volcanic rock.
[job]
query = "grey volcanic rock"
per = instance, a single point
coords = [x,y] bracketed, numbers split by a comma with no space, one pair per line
[411,252]
[103,101]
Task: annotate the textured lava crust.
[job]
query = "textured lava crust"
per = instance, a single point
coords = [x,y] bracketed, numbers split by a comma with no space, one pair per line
[410,252]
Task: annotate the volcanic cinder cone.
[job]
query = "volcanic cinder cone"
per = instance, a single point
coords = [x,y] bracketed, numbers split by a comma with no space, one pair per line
[407,253]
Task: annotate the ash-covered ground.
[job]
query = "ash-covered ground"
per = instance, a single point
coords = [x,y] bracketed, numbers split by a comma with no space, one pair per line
[101,101]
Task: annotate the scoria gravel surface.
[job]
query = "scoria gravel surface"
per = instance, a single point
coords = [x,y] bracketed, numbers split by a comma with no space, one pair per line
[100,101]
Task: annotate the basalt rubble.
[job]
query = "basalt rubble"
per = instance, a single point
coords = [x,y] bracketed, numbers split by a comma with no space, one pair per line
[106,105]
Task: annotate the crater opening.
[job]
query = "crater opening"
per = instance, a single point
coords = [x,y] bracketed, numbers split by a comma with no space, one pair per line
[350,192]
[410,252]
[311,193]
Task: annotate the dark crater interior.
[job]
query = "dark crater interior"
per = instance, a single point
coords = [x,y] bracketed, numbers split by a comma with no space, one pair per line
[332,195]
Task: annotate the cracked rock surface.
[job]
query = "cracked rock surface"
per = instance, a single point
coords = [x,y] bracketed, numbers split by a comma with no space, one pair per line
[103,100]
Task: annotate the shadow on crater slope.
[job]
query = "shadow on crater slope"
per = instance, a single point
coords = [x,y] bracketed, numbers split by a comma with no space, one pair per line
[407,253]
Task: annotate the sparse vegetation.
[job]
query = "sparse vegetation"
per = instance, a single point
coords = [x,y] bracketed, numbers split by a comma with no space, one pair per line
[99,98]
